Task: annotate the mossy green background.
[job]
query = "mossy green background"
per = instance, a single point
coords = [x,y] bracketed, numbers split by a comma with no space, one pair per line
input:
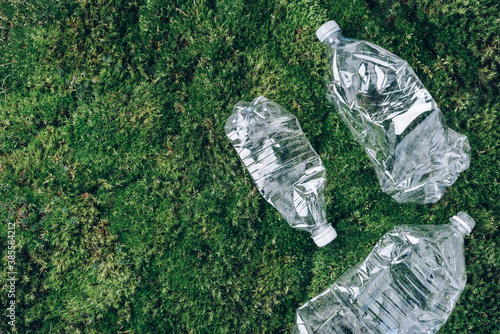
[133,212]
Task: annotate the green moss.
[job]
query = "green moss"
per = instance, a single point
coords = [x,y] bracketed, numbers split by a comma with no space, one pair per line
[133,211]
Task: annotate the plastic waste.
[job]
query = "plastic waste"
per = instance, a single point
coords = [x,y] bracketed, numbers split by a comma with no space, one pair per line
[286,169]
[409,283]
[393,117]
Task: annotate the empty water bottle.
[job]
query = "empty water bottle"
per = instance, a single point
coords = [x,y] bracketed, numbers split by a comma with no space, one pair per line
[393,117]
[409,283]
[286,169]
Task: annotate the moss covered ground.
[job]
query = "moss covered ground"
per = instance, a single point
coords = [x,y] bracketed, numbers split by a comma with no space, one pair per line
[134,214]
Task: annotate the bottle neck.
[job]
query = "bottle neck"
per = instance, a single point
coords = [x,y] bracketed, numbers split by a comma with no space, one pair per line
[459,229]
[333,39]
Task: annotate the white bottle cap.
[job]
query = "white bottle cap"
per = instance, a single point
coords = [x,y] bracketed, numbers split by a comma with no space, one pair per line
[326,30]
[325,237]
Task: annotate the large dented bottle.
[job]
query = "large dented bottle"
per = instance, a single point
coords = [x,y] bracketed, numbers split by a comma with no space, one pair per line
[409,283]
[393,117]
[286,169]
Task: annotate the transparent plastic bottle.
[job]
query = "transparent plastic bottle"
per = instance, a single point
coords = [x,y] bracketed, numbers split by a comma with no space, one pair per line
[409,283]
[286,169]
[393,117]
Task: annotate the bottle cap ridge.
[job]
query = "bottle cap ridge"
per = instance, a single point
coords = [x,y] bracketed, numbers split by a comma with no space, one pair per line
[465,221]
[326,29]
[325,237]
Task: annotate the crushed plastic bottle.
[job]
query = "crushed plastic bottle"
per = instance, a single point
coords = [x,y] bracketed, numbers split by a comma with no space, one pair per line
[286,169]
[409,283]
[393,117]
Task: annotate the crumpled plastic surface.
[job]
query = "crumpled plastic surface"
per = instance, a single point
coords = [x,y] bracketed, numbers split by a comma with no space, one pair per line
[409,283]
[286,169]
[395,119]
